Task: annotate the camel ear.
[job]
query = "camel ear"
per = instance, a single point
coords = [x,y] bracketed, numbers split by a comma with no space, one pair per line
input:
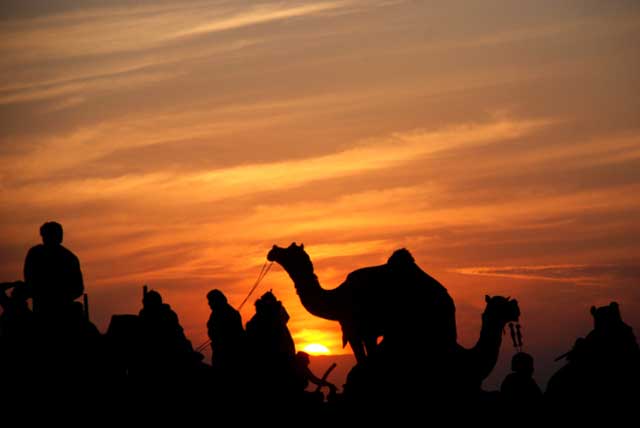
[487,298]
[593,310]
[301,246]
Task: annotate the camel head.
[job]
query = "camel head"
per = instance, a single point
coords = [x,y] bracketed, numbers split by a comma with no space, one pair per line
[292,258]
[501,310]
[606,317]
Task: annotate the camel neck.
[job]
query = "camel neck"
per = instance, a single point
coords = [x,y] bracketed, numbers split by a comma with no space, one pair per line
[488,345]
[491,331]
[313,297]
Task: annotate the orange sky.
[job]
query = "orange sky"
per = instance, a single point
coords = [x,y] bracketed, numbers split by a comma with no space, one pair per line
[176,142]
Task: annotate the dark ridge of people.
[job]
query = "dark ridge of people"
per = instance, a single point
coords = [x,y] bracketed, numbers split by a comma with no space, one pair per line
[408,361]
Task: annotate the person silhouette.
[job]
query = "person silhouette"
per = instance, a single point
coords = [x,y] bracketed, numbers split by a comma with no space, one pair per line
[226,333]
[305,376]
[271,349]
[165,345]
[519,388]
[52,273]
[267,330]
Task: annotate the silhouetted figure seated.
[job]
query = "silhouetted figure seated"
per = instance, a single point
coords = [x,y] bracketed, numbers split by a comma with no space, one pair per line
[272,350]
[52,273]
[304,376]
[519,389]
[167,350]
[602,368]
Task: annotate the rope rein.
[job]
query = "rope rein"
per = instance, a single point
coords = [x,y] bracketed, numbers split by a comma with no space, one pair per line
[263,272]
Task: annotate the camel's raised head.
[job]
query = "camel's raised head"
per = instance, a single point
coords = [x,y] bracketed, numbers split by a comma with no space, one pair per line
[292,258]
[605,317]
[502,309]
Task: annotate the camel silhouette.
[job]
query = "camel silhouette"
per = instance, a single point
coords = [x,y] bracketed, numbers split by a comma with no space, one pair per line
[461,369]
[428,376]
[394,301]
[475,364]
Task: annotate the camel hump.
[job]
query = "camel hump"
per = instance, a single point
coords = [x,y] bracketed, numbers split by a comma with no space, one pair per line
[401,257]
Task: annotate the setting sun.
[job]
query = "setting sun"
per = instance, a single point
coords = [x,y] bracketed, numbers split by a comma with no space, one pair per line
[316,349]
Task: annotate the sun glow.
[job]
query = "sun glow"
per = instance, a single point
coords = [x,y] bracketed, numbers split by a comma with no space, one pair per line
[316,349]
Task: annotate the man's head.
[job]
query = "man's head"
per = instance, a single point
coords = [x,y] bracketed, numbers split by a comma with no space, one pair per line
[303,358]
[606,317]
[522,363]
[267,300]
[216,298]
[152,299]
[51,233]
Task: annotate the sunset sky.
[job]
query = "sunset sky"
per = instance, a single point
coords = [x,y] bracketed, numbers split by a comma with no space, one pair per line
[177,141]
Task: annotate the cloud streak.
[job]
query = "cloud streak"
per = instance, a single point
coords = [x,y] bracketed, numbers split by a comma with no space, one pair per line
[76,51]
[258,15]
[580,274]
[236,181]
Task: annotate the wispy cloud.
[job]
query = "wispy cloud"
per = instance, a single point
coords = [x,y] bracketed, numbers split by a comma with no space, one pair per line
[258,15]
[90,87]
[68,52]
[232,182]
[582,274]
[114,74]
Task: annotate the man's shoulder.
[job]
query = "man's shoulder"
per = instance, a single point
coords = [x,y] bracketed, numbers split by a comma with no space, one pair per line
[168,311]
[68,254]
[65,250]
[230,310]
[35,250]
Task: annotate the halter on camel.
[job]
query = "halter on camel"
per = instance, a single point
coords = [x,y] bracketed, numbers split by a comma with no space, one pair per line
[516,336]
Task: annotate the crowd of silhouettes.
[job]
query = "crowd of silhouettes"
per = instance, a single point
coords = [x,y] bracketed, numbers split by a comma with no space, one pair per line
[53,342]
